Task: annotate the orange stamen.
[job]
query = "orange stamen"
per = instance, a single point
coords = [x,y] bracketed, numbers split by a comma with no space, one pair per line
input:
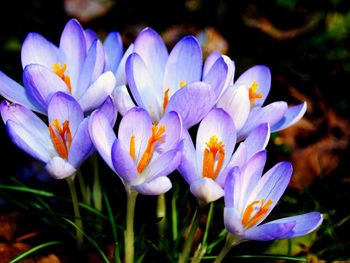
[157,136]
[214,151]
[248,219]
[166,99]
[253,95]
[61,137]
[59,71]
[132,147]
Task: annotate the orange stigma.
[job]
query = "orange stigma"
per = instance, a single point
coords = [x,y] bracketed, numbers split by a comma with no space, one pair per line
[253,95]
[61,137]
[250,217]
[166,99]
[214,151]
[157,136]
[59,71]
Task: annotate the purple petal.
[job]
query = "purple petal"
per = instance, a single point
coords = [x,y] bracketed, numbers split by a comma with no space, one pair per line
[184,64]
[236,103]
[267,232]
[73,45]
[64,107]
[114,51]
[217,76]
[102,136]
[120,74]
[262,75]
[38,50]
[90,38]
[137,123]
[206,190]
[304,224]
[157,186]
[98,92]
[257,139]
[150,46]
[232,176]
[109,110]
[173,131]
[60,168]
[209,62]
[36,79]
[291,116]
[146,94]
[123,164]
[233,221]
[217,123]
[122,99]
[192,102]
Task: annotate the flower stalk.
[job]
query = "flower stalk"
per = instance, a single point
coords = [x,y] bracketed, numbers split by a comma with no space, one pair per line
[231,241]
[129,232]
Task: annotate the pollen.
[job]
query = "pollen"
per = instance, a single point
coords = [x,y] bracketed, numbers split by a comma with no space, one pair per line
[157,136]
[61,137]
[253,213]
[253,93]
[166,99]
[213,158]
[59,71]
[182,84]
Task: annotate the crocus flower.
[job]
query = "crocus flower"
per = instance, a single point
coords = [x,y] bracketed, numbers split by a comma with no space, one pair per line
[144,153]
[250,197]
[205,167]
[244,101]
[63,144]
[161,82]
[76,67]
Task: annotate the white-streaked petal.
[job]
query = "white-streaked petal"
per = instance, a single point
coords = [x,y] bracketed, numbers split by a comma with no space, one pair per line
[60,168]
[291,116]
[123,99]
[158,186]
[257,139]
[120,74]
[173,131]
[206,190]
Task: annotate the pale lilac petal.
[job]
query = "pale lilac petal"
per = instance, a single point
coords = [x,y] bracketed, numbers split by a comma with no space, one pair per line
[82,146]
[291,116]
[304,223]
[60,168]
[192,102]
[28,120]
[187,166]
[108,108]
[262,75]
[28,143]
[158,186]
[206,190]
[267,232]
[113,46]
[150,46]
[236,103]
[217,76]
[36,79]
[91,69]
[184,64]
[38,50]
[209,62]
[233,221]
[232,176]
[257,139]
[271,114]
[142,87]
[217,123]
[73,45]
[137,123]
[14,92]
[102,136]
[90,38]
[98,92]
[173,131]
[122,99]
[64,107]
[120,74]
[123,164]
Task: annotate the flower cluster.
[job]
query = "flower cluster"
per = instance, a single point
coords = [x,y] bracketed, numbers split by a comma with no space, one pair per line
[81,85]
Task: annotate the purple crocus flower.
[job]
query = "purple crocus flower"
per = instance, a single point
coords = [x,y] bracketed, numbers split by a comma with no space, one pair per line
[205,167]
[76,67]
[250,197]
[144,153]
[244,102]
[63,144]
[161,82]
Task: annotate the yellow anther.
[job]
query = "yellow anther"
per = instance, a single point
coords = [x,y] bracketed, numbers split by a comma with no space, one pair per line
[253,95]
[215,151]
[250,218]
[182,84]
[132,147]
[166,99]
[61,137]
[59,71]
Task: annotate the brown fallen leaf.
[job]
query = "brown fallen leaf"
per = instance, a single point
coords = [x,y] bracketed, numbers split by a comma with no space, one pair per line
[9,251]
[8,225]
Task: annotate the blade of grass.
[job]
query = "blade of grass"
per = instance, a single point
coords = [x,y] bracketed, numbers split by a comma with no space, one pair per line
[262,257]
[33,250]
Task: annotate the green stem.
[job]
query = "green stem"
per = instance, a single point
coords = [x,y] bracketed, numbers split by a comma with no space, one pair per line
[231,241]
[129,233]
[96,189]
[161,213]
[78,222]
[174,216]
[186,250]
